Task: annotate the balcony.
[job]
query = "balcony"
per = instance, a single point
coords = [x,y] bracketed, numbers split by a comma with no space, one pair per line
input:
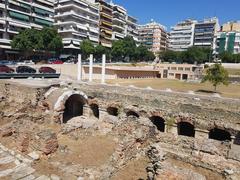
[76,7]
[73,13]
[19,16]
[43,22]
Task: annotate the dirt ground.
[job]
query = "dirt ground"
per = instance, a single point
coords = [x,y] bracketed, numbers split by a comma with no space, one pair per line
[88,151]
[133,170]
[231,90]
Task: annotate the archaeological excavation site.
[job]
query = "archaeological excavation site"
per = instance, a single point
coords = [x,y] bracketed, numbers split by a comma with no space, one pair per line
[67,130]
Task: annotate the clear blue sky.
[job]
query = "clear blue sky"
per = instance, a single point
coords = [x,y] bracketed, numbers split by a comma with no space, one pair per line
[169,12]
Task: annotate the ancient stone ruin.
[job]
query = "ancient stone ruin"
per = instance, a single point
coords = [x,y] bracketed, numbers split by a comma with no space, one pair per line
[90,131]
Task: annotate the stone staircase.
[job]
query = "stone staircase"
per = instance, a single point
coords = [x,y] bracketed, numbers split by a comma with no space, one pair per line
[14,166]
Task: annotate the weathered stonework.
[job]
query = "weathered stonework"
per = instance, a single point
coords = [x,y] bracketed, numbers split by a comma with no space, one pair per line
[126,112]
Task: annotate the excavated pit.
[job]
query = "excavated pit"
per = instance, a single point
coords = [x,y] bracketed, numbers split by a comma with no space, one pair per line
[101,133]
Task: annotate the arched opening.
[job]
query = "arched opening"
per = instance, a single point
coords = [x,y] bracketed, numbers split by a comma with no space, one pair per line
[219,134]
[186,129]
[112,111]
[132,114]
[73,107]
[158,122]
[237,139]
[95,110]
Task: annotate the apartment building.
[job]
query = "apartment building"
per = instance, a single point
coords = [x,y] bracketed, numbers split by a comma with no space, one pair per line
[119,22]
[132,27]
[106,23]
[204,32]
[182,35]
[17,15]
[226,41]
[154,36]
[77,20]
[231,26]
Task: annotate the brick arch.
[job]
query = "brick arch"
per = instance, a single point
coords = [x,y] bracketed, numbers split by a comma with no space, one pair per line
[59,105]
[183,119]
[131,112]
[64,99]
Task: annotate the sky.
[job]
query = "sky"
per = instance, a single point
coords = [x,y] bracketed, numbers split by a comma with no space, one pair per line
[169,12]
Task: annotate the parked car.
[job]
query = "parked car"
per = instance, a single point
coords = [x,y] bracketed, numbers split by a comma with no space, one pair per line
[25,69]
[6,69]
[47,70]
[57,62]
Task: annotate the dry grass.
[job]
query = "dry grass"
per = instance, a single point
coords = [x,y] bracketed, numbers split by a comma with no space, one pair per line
[232,90]
[234,71]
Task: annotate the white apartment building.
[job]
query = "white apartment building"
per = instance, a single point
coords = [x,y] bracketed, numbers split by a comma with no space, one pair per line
[226,41]
[182,35]
[77,20]
[17,15]
[119,22]
[132,27]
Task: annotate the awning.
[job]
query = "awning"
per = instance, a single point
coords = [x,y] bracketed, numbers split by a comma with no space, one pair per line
[105,23]
[81,27]
[25,6]
[93,30]
[42,11]
[43,22]
[2,21]
[76,43]
[19,16]
[93,39]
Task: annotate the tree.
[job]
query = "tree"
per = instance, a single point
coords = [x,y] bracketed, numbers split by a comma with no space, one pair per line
[196,54]
[31,41]
[28,41]
[117,52]
[216,74]
[169,56]
[129,48]
[191,55]
[52,41]
[87,48]
[100,50]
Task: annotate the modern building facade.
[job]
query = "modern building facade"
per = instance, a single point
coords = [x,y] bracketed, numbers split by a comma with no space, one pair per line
[77,20]
[226,41]
[106,23]
[204,32]
[119,22]
[231,26]
[154,36]
[132,27]
[17,15]
[182,35]
[180,71]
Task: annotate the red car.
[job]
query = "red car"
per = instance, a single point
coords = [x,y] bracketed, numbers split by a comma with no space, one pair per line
[6,69]
[47,70]
[57,62]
